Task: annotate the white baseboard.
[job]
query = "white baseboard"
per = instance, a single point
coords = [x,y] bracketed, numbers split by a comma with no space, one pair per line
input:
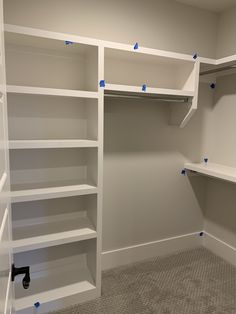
[220,248]
[136,253]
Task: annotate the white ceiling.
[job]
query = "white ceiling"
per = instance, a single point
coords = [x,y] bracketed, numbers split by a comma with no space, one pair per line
[212,5]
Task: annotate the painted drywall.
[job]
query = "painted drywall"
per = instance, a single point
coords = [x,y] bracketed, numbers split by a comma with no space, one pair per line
[226,44]
[221,196]
[145,197]
[162,24]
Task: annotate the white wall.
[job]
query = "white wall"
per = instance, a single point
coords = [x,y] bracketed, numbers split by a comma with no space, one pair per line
[162,24]
[145,197]
[226,44]
[221,196]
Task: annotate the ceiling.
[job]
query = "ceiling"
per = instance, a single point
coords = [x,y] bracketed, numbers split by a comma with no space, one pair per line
[211,5]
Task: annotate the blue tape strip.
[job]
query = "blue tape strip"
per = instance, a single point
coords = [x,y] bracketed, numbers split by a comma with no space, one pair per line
[144,87]
[195,56]
[102,83]
[136,46]
[37,305]
[67,42]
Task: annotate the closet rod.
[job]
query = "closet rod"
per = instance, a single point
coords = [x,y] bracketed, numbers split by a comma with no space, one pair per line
[149,97]
[226,68]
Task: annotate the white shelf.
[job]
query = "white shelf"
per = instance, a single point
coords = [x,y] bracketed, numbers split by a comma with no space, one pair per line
[213,170]
[127,90]
[66,281]
[31,144]
[37,236]
[50,91]
[52,192]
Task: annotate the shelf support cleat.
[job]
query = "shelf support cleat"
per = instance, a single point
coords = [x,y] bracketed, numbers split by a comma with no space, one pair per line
[102,83]
[68,43]
[206,160]
[136,46]
[36,305]
[144,88]
[195,56]
[183,172]
[201,234]
[213,85]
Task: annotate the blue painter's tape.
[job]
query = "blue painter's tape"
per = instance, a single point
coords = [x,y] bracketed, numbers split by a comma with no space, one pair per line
[206,160]
[136,46]
[183,172]
[195,56]
[102,83]
[144,87]
[213,85]
[67,42]
[36,305]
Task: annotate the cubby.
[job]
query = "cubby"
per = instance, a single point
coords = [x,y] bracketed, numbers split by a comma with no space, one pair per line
[59,272]
[50,63]
[136,69]
[45,223]
[35,118]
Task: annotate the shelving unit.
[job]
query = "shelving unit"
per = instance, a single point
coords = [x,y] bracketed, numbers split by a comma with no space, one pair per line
[166,77]
[213,170]
[55,114]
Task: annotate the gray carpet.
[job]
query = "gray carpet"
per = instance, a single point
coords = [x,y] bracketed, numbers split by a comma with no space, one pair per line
[189,282]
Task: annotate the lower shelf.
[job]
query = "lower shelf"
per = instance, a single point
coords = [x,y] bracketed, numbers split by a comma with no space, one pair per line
[213,170]
[49,234]
[61,283]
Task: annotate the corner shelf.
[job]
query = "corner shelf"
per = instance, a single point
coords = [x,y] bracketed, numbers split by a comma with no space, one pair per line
[213,170]
[32,237]
[34,144]
[52,192]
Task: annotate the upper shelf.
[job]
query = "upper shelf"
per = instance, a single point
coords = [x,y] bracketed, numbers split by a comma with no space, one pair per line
[213,170]
[153,93]
[31,90]
[214,68]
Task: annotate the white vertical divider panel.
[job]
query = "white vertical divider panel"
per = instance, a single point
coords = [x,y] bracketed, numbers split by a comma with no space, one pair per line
[5,207]
[100,165]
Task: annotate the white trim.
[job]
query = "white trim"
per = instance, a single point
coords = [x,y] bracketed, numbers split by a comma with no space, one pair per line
[4,221]
[3,181]
[220,248]
[7,300]
[135,253]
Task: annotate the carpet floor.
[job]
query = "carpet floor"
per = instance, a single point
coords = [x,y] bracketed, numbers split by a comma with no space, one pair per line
[190,282]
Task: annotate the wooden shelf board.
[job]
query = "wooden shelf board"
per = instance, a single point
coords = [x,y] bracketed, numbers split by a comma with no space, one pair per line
[31,144]
[52,192]
[50,91]
[33,237]
[137,90]
[213,170]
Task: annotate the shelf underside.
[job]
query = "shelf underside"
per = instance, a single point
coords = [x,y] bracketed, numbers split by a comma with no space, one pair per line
[213,170]
[54,233]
